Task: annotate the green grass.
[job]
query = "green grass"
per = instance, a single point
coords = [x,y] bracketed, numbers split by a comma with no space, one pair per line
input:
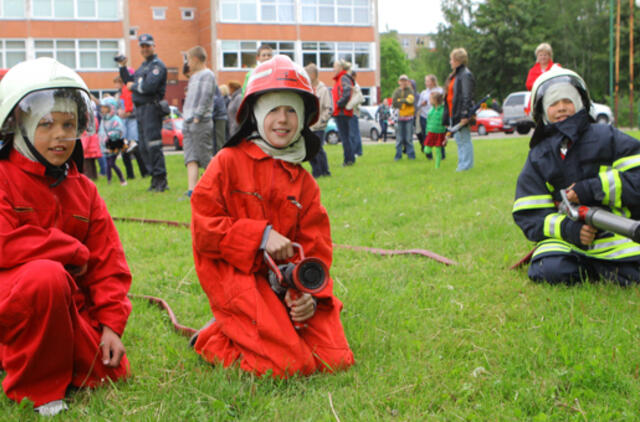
[474,341]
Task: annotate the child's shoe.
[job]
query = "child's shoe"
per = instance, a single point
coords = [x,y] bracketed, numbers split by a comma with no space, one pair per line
[52,408]
[123,183]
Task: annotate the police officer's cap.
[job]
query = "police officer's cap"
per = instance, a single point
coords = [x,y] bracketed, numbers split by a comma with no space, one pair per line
[146,39]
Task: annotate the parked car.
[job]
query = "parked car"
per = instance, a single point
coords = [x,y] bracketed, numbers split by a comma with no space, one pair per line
[488,121]
[172,132]
[371,111]
[601,113]
[368,125]
[514,113]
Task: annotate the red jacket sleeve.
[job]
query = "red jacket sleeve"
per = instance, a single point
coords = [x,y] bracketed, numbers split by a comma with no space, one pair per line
[21,243]
[215,232]
[534,72]
[108,278]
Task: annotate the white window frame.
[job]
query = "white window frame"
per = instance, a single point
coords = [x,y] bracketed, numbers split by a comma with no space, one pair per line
[159,13]
[4,50]
[111,51]
[251,47]
[22,16]
[76,16]
[184,11]
[259,5]
[346,50]
[336,6]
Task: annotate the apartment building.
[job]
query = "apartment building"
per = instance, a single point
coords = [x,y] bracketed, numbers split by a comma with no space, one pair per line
[87,34]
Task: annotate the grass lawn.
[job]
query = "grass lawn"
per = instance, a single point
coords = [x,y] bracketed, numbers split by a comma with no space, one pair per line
[474,341]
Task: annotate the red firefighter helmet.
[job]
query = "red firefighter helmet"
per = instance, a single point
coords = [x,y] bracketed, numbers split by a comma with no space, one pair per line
[278,74]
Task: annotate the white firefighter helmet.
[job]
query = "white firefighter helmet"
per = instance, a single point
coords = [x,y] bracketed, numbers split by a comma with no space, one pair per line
[556,75]
[40,75]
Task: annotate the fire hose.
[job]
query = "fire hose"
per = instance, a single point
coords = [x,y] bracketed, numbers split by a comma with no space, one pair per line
[188,331]
[596,217]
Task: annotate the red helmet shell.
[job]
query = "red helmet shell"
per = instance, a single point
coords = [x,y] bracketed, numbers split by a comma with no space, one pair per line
[277,74]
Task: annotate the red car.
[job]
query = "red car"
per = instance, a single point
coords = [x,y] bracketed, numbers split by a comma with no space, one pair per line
[487,121]
[172,132]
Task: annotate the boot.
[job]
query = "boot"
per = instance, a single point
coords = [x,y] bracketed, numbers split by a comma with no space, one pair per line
[161,184]
[154,184]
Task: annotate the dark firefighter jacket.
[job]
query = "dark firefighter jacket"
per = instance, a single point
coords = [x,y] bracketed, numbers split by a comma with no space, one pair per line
[603,162]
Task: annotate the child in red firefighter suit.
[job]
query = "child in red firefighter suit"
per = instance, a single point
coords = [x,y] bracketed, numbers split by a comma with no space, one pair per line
[63,274]
[255,196]
[598,166]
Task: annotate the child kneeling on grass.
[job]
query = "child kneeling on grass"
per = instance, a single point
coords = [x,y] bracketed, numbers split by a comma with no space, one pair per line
[63,274]
[598,165]
[255,196]
[436,132]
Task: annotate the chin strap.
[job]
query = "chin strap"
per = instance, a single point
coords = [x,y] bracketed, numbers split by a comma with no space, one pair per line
[57,172]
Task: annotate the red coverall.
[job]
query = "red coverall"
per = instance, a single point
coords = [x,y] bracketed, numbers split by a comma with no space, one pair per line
[241,192]
[50,321]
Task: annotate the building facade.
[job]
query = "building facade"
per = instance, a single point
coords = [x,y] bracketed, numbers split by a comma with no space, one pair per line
[411,43]
[87,34]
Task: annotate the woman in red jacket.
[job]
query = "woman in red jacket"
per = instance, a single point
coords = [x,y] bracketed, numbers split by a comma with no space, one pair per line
[255,197]
[63,274]
[544,63]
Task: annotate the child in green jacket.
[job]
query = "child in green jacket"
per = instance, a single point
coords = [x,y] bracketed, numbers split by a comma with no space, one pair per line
[436,132]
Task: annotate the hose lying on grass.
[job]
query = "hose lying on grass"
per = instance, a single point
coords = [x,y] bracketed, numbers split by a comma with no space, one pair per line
[378,251]
[188,331]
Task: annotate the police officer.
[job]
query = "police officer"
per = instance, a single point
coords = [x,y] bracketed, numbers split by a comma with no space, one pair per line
[148,85]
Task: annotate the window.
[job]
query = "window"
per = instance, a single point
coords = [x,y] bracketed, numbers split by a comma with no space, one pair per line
[331,12]
[366,93]
[242,54]
[187,13]
[159,13]
[80,54]
[12,9]
[72,9]
[323,54]
[280,11]
[12,52]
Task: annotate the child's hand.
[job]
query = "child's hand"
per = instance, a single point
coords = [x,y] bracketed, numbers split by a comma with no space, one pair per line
[302,308]
[278,246]
[572,196]
[587,234]
[112,348]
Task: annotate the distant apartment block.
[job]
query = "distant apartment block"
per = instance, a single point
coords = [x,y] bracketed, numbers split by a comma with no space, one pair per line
[411,43]
[87,34]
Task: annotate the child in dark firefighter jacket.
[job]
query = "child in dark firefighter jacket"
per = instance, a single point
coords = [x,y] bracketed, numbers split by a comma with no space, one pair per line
[598,165]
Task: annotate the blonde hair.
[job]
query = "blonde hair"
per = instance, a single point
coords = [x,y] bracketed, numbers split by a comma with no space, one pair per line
[460,55]
[224,89]
[433,79]
[544,47]
[345,65]
[311,68]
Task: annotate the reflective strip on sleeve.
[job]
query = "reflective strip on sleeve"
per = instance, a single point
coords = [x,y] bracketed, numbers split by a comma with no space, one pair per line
[626,163]
[533,203]
[552,225]
[611,187]
[613,247]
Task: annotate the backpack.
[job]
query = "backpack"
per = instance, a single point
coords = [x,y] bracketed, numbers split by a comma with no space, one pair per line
[356,98]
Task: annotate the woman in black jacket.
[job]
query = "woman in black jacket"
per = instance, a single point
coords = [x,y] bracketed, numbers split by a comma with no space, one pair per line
[459,104]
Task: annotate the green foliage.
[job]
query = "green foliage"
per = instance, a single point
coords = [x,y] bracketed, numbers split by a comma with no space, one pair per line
[474,341]
[393,63]
[500,37]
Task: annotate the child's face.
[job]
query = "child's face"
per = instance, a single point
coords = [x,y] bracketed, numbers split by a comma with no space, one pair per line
[104,110]
[55,137]
[280,126]
[433,99]
[560,110]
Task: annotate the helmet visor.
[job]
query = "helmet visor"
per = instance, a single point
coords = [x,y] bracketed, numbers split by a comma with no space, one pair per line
[544,87]
[71,107]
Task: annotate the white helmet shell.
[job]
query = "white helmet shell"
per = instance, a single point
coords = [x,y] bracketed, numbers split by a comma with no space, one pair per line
[537,92]
[35,75]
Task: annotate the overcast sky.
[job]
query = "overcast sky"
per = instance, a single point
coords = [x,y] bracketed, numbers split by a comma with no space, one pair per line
[409,16]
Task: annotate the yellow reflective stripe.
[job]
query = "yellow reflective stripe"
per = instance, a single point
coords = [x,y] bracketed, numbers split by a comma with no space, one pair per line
[552,225]
[611,187]
[533,202]
[549,187]
[552,245]
[613,247]
[626,163]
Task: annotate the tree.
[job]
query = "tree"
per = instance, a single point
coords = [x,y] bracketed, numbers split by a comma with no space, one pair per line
[393,63]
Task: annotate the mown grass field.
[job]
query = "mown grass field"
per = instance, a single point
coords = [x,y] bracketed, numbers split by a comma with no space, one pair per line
[474,341]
